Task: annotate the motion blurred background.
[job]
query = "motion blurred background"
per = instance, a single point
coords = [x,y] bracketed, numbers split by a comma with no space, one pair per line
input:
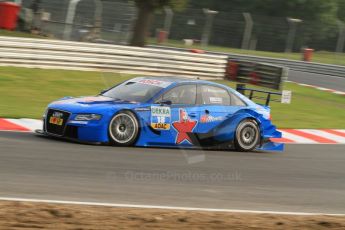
[310,31]
[274,28]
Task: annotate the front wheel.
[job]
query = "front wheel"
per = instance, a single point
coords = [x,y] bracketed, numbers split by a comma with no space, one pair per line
[247,136]
[124,129]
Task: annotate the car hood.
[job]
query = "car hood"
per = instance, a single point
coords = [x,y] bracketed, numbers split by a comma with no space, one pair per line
[85,100]
[90,104]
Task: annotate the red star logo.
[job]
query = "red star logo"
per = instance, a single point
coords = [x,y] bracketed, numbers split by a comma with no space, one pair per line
[183,126]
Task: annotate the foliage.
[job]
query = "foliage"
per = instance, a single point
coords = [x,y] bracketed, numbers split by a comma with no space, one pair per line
[319,28]
[341,10]
[145,13]
[159,4]
[319,10]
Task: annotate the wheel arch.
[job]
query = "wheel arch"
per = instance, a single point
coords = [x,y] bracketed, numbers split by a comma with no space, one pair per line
[227,129]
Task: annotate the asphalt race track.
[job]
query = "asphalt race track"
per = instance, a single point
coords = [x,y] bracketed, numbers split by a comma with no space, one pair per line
[305,178]
[326,81]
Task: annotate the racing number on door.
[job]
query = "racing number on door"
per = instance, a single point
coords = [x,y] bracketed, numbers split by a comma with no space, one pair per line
[160,117]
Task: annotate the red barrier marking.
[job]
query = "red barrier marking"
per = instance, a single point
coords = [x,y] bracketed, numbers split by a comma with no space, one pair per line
[282,140]
[311,136]
[9,126]
[232,70]
[197,51]
[254,78]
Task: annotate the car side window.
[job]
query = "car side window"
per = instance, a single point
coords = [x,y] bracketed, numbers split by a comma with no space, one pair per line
[184,94]
[236,101]
[213,95]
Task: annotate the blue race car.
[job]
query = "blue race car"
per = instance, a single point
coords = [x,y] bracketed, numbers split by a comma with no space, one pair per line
[165,112]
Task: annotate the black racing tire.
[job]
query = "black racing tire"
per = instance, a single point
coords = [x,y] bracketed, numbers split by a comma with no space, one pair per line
[123,129]
[247,135]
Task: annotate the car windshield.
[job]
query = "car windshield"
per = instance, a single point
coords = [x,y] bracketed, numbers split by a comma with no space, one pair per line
[133,91]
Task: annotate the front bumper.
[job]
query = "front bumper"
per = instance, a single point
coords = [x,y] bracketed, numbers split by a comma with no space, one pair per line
[95,131]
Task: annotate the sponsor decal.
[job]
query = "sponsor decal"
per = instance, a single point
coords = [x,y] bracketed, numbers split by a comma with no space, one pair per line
[89,99]
[82,100]
[209,118]
[216,100]
[56,119]
[160,111]
[160,126]
[159,83]
[160,117]
[183,126]
[142,109]
[57,114]
[79,122]
[93,99]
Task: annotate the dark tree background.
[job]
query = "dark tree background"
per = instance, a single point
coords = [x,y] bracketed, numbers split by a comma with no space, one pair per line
[319,28]
[146,9]
[319,17]
[304,9]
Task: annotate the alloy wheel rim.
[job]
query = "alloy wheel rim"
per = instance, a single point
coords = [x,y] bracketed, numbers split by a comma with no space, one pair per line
[122,128]
[247,135]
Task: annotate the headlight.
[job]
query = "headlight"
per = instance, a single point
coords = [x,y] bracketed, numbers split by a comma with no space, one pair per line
[88,117]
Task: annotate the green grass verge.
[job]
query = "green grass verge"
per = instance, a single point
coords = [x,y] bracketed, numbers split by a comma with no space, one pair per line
[319,56]
[310,108]
[26,92]
[18,34]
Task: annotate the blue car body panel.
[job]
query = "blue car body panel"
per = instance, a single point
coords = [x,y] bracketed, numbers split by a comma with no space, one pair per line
[190,127]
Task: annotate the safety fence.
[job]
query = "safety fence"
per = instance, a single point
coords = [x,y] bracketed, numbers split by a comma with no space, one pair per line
[233,26]
[45,53]
[79,20]
[309,67]
[302,66]
[56,54]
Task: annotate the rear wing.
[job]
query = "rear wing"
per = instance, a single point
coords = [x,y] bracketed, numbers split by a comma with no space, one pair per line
[285,94]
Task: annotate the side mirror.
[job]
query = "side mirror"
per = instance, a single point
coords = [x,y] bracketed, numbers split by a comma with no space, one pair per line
[103,91]
[165,102]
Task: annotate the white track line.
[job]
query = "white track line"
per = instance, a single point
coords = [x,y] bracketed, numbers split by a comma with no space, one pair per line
[323,89]
[338,92]
[302,84]
[166,207]
[319,88]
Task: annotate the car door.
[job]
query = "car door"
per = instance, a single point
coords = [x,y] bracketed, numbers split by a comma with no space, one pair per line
[184,114]
[215,105]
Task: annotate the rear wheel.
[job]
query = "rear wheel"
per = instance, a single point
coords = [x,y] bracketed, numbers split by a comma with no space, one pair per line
[247,136]
[124,129]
